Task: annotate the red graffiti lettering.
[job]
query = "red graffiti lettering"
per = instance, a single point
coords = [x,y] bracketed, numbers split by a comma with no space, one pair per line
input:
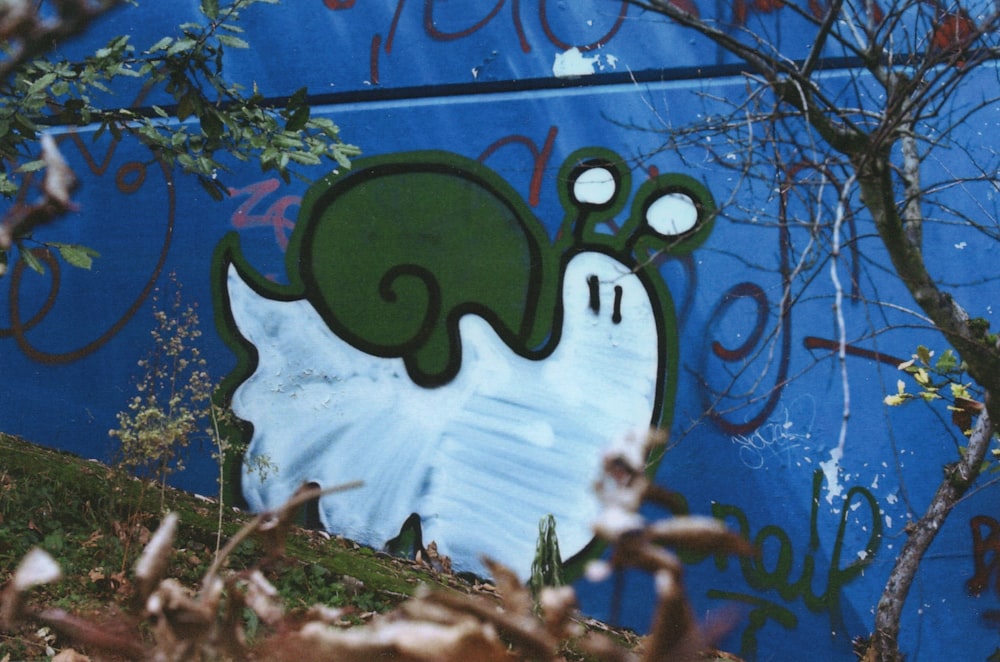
[434,17]
[129,178]
[393,26]
[985,554]
[819,8]
[373,59]
[248,216]
[556,41]
[541,158]
[742,8]
[435,33]
[953,34]
[814,343]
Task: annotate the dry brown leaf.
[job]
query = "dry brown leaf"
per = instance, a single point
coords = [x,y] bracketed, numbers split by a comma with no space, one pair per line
[155,557]
[59,179]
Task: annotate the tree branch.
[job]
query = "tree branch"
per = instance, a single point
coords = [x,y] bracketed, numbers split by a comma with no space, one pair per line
[792,85]
[29,36]
[821,37]
[958,478]
[875,181]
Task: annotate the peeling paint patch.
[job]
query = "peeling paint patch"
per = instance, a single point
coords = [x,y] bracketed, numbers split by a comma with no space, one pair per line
[574,63]
[831,470]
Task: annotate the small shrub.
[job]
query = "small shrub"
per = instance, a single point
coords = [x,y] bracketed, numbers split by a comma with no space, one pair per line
[173,403]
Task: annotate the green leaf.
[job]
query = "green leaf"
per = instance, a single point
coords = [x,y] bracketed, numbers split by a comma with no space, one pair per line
[32,261]
[187,105]
[948,361]
[343,156]
[210,8]
[298,118]
[31,166]
[123,70]
[42,83]
[76,255]
[181,45]
[212,124]
[162,44]
[215,188]
[120,42]
[232,42]
[298,98]
[305,158]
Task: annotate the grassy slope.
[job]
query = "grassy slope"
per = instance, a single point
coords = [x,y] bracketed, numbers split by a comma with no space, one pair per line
[94,521]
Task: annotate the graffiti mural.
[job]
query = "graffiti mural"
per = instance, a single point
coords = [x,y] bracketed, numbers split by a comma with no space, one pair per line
[475,393]
[528,260]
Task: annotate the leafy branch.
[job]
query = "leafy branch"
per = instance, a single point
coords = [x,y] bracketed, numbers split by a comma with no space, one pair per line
[210,119]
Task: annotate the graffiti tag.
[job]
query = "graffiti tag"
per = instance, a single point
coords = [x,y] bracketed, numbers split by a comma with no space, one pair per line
[776,438]
[985,554]
[772,569]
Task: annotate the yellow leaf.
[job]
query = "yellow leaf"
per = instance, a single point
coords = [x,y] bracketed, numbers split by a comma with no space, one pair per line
[960,391]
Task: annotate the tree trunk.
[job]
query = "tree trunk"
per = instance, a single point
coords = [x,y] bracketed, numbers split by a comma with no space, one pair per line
[884,645]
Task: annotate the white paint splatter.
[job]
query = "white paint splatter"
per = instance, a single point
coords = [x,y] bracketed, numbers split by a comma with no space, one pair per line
[573,63]
[482,458]
[831,470]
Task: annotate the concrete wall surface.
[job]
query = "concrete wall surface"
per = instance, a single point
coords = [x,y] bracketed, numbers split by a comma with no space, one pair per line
[520,267]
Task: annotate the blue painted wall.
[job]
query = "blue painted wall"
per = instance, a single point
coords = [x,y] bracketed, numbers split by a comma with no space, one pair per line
[758,403]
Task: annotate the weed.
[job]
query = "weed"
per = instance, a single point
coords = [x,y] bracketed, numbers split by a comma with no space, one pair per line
[173,403]
[547,566]
[172,407]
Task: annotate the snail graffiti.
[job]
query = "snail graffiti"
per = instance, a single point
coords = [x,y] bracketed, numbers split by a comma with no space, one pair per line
[434,342]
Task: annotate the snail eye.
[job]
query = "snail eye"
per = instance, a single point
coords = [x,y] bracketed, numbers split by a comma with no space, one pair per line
[596,186]
[672,214]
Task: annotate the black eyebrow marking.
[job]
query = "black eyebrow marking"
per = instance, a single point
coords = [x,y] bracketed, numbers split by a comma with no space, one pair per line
[595,294]
[616,316]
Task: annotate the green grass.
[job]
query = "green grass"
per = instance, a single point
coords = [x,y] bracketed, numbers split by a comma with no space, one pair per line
[94,521]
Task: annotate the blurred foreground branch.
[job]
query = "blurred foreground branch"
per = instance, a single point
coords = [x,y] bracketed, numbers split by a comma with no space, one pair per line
[168,621]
